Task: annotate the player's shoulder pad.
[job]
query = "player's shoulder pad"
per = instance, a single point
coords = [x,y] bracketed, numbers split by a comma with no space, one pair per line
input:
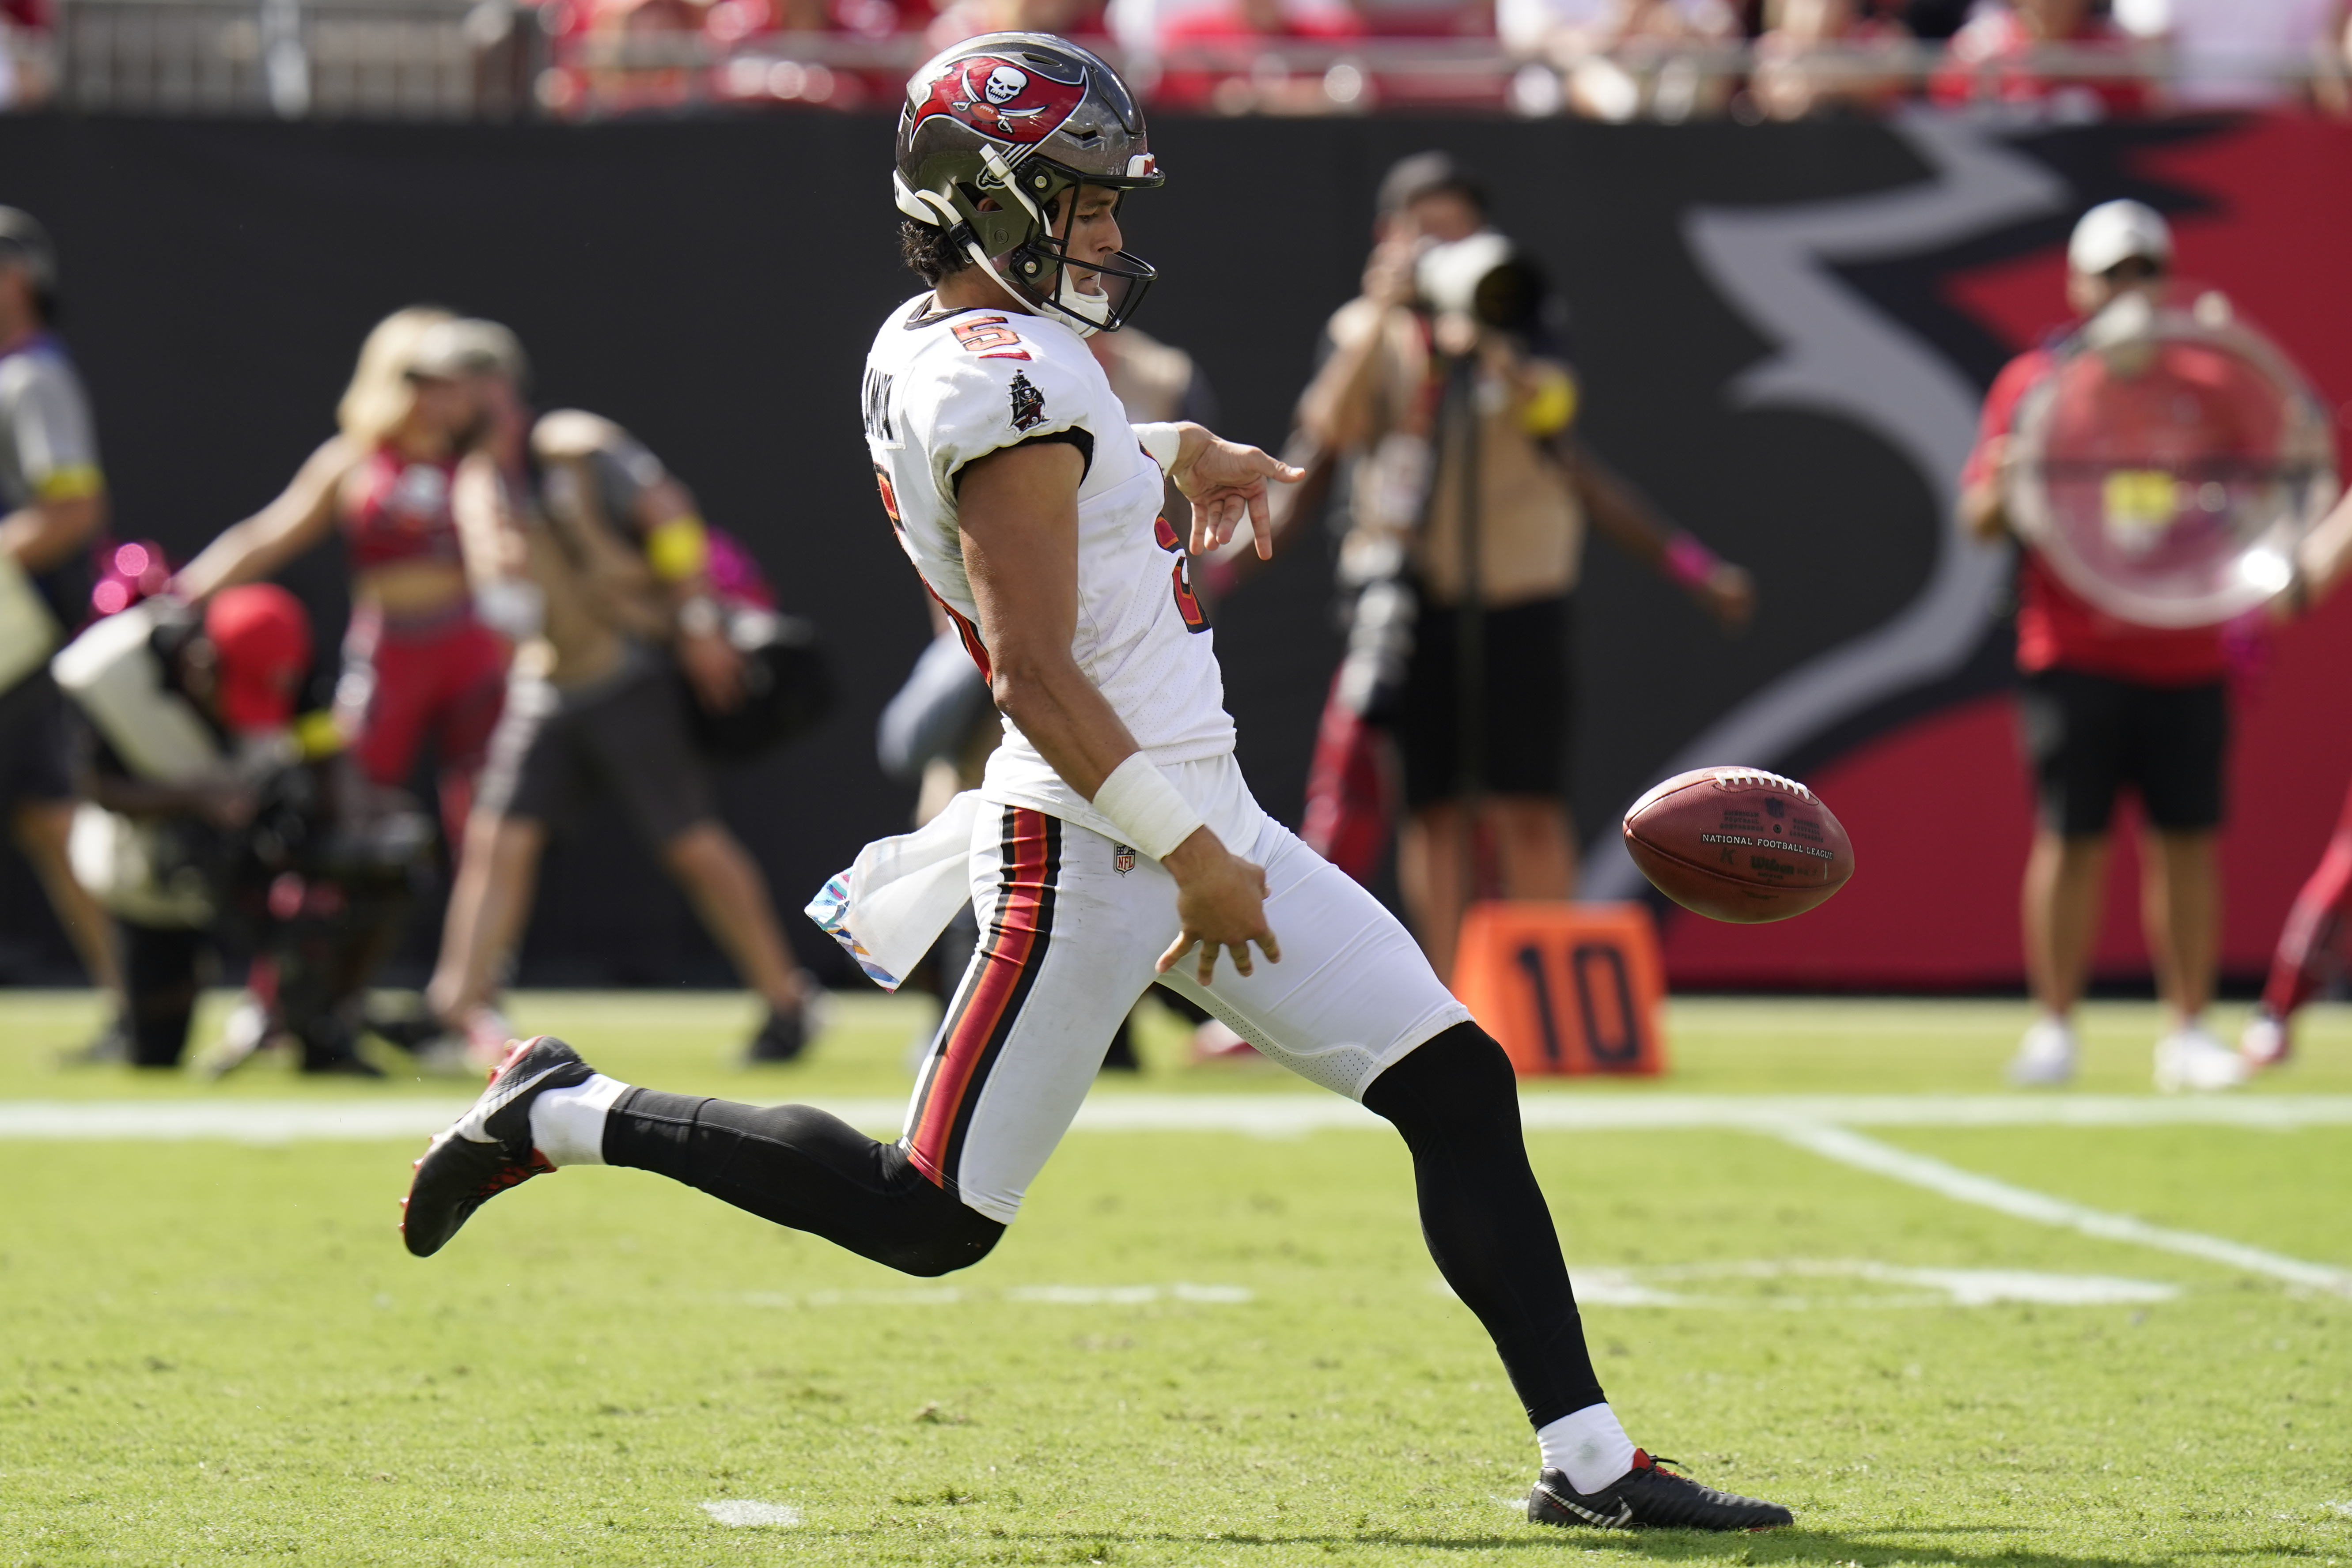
[993,380]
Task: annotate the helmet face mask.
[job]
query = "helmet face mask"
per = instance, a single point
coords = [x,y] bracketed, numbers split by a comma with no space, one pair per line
[993,133]
[1040,268]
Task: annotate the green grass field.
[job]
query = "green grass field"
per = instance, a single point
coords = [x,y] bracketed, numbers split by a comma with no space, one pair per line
[1194,1347]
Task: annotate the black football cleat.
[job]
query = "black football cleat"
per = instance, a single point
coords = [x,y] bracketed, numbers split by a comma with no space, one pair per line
[1646,1495]
[487,1150]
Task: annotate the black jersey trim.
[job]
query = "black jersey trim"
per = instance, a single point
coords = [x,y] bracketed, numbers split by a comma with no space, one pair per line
[919,317]
[1069,435]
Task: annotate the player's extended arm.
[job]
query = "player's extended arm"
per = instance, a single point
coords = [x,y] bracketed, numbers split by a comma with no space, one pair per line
[40,534]
[275,535]
[1724,590]
[1019,522]
[1225,482]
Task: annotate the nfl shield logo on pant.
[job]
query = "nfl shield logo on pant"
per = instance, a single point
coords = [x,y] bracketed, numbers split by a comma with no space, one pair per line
[1122,859]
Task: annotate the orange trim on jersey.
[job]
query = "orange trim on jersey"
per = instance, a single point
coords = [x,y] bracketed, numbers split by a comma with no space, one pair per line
[990,1006]
[969,634]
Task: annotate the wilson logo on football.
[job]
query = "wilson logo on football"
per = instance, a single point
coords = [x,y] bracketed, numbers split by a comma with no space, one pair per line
[1002,101]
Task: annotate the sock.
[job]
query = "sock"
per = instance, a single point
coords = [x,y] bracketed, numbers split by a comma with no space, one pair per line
[567,1126]
[1588,1445]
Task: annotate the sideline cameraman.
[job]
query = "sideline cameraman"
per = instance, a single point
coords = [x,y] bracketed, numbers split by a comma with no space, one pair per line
[214,820]
[1415,385]
[595,554]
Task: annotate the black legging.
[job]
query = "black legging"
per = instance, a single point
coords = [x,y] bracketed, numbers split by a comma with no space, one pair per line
[798,1167]
[1454,1099]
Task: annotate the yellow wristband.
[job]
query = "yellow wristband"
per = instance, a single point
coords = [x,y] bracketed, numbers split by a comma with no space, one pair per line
[1552,405]
[679,549]
[317,735]
[73,482]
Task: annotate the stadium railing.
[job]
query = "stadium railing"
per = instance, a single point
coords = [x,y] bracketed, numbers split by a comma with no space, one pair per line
[377,59]
[492,60]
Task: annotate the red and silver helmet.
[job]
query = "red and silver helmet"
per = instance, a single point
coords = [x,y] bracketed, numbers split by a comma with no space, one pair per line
[1014,119]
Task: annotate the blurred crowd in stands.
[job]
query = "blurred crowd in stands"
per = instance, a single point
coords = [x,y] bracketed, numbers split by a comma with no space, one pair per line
[1604,60]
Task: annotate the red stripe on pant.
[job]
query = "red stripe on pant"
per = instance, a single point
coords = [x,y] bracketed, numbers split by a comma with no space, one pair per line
[1016,938]
[2307,956]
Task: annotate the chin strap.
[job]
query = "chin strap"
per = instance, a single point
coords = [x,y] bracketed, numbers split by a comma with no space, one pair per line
[1051,302]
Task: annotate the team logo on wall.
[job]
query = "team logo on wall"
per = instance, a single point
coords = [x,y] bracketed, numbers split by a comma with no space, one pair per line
[1002,101]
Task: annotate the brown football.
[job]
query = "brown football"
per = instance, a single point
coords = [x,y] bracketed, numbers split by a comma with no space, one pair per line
[1739,843]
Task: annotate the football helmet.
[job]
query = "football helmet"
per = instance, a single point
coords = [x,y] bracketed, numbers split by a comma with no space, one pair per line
[1016,120]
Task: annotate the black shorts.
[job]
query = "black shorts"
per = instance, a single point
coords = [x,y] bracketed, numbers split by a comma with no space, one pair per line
[1525,711]
[36,748]
[2088,736]
[552,748]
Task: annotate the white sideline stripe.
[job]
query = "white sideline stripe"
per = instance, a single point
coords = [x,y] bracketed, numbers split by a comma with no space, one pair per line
[1851,1149]
[1278,1115]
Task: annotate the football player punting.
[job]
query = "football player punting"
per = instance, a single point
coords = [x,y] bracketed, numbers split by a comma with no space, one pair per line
[1114,843]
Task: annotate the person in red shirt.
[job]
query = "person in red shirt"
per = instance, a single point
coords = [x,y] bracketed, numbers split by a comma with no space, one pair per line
[2103,704]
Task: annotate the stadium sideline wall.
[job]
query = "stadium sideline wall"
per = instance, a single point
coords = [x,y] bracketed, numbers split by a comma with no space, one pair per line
[1782,333]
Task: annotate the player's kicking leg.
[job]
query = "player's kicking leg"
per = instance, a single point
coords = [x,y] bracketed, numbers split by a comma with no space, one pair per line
[1354,1007]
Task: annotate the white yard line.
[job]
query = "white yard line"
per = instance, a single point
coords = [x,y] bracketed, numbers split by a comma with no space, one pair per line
[1273,1115]
[1819,1123]
[1848,1147]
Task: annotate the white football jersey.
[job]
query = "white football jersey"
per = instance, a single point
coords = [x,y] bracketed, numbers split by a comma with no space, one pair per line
[944,388]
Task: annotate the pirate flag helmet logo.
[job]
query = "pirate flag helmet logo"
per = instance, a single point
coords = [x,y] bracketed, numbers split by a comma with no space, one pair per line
[1002,101]
[994,134]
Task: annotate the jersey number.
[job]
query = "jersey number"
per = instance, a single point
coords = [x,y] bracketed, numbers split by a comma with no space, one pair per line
[1188,604]
[990,337]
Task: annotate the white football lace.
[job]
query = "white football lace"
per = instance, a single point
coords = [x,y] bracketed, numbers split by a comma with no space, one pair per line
[1773,781]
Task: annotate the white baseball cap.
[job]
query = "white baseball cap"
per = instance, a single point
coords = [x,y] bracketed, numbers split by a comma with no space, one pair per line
[2114,232]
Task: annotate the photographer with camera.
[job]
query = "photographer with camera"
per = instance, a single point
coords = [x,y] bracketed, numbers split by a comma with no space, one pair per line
[216,821]
[1448,389]
[595,559]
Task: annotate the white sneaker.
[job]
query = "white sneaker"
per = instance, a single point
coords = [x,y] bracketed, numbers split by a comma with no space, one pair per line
[2190,1060]
[2265,1043]
[2045,1056]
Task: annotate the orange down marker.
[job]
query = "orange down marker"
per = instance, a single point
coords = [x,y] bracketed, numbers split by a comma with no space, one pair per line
[1566,988]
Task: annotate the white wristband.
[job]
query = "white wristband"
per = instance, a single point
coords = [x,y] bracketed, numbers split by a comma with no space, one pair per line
[1163,441]
[1145,807]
